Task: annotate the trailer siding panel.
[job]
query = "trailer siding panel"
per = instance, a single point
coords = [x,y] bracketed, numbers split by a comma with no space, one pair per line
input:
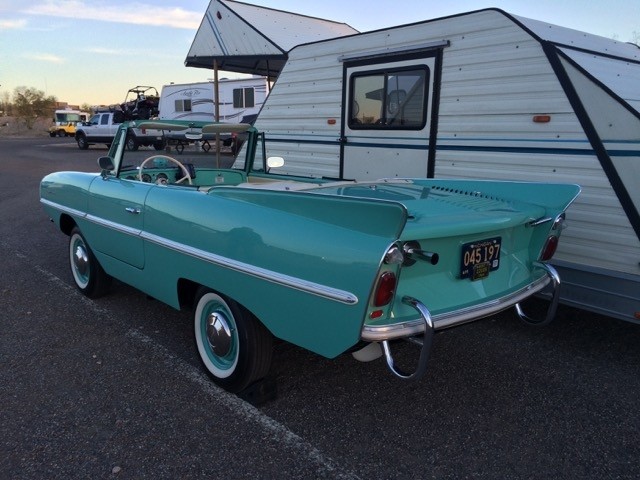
[495,78]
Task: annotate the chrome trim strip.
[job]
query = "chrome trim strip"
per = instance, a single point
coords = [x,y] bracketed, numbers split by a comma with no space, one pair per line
[377,333]
[559,222]
[70,211]
[261,273]
[539,221]
[295,283]
[134,232]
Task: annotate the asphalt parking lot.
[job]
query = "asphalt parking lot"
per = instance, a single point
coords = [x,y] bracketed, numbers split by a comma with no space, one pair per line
[112,388]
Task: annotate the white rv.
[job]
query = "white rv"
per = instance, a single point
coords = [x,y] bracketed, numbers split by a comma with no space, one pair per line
[483,95]
[239,99]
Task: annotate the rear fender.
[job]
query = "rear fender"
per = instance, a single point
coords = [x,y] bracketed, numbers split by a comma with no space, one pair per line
[370,216]
[304,264]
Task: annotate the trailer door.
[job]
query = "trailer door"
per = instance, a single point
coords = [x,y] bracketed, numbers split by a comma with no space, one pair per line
[389,116]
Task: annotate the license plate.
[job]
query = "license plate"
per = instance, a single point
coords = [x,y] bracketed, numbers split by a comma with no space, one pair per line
[479,258]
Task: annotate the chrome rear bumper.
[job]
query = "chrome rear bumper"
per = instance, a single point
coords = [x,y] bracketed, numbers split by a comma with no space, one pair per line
[378,333]
[421,331]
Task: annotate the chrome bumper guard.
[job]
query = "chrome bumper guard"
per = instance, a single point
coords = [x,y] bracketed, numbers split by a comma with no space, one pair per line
[427,324]
[425,342]
[555,297]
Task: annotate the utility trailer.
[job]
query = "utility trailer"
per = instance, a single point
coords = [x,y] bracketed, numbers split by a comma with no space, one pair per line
[483,95]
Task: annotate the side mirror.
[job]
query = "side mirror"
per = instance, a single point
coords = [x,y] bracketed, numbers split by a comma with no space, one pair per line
[275,162]
[106,165]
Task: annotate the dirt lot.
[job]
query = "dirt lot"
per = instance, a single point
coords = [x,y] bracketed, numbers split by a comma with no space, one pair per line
[13,127]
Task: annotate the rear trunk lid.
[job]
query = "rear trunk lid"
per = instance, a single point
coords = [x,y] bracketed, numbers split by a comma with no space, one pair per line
[472,243]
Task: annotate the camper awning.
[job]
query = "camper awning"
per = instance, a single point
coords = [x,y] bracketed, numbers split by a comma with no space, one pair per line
[246,38]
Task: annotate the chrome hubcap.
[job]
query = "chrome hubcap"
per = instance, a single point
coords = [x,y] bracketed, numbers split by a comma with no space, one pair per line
[219,334]
[81,260]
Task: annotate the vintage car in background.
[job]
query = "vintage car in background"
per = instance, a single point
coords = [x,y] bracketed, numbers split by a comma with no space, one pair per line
[333,266]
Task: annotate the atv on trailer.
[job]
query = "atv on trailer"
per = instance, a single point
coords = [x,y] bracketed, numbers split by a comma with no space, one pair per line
[141,103]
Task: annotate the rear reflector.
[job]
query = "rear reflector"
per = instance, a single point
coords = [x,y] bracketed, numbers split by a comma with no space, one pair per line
[385,290]
[542,118]
[549,248]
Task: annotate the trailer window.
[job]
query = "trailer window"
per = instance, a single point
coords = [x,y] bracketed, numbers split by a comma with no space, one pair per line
[183,105]
[243,98]
[389,99]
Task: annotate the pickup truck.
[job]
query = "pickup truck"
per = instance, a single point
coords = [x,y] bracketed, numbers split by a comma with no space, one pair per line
[102,128]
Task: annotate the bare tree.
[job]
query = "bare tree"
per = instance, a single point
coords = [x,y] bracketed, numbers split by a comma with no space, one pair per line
[85,107]
[5,103]
[30,104]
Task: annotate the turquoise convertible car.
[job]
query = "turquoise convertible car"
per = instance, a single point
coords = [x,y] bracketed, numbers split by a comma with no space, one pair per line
[331,265]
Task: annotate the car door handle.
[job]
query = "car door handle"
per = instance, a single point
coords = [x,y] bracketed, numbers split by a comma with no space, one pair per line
[134,211]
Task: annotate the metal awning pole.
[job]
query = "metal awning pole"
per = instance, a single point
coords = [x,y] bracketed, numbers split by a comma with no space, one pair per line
[216,103]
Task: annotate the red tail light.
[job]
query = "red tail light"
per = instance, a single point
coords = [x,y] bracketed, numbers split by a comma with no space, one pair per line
[549,248]
[385,289]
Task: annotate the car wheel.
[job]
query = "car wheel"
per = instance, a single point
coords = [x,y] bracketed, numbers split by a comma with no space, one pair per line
[82,142]
[234,346]
[62,133]
[52,134]
[88,275]
[132,143]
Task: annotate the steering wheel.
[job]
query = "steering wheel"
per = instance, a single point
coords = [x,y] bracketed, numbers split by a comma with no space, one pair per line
[172,160]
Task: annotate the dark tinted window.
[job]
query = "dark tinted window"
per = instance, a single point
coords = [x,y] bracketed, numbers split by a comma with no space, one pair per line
[243,98]
[389,99]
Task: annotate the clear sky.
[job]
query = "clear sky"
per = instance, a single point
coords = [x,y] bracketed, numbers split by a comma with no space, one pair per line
[93,51]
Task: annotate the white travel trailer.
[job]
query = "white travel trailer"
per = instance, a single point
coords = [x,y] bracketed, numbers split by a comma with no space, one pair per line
[484,95]
[239,99]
